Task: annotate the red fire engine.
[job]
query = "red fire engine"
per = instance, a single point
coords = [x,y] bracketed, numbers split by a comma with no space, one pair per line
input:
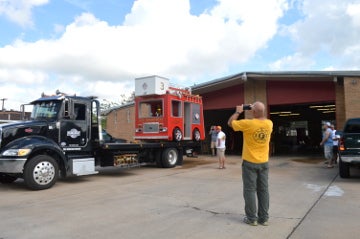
[166,113]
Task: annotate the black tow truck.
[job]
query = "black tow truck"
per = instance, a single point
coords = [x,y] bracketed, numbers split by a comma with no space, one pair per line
[64,138]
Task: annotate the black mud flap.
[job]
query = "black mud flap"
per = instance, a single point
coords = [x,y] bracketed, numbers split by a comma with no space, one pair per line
[181,157]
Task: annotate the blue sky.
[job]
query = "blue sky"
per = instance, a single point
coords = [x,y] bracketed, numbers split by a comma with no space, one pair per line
[92,47]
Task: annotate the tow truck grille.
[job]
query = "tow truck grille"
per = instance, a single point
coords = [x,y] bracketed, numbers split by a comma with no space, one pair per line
[151,128]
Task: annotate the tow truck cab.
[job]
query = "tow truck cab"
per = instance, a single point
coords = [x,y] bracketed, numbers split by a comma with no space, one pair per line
[62,135]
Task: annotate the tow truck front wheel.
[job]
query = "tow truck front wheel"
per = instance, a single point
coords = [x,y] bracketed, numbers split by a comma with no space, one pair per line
[170,157]
[41,172]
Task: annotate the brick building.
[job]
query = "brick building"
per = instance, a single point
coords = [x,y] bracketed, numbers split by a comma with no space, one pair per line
[297,102]
[12,115]
[120,122]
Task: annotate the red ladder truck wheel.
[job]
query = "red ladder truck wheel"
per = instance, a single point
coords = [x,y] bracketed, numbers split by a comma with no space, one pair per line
[196,135]
[177,135]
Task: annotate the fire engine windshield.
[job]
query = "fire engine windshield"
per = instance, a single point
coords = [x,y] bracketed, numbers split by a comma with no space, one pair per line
[46,110]
[149,109]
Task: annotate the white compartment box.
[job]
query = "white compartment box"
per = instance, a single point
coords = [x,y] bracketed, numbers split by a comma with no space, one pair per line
[151,85]
[84,166]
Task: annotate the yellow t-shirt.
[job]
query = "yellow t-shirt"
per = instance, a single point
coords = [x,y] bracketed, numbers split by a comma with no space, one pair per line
[257,135]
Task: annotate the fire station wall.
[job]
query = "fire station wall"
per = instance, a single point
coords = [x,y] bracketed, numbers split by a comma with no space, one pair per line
[120,123]
[224,98]
[255,90]
[297,92]
[351,97]
[340,104]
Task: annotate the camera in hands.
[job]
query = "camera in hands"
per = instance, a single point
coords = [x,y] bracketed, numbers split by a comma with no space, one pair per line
[247,107]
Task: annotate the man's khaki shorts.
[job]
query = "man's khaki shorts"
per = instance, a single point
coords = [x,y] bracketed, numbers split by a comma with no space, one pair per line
[220,152]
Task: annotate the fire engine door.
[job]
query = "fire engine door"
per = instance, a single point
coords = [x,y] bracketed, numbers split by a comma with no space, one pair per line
[74,131]
[187,119]
[196,114]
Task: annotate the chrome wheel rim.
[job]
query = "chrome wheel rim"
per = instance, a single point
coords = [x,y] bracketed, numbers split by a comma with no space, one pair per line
[178,135]
[44,173]
[197,135]
[172,157]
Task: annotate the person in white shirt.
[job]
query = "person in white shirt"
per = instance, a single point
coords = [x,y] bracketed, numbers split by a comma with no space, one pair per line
[220,147]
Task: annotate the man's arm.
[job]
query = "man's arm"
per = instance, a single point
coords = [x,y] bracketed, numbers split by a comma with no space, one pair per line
[327,136]
[235,116]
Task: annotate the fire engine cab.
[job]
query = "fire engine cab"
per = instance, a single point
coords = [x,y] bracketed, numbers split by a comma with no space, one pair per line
[166,113]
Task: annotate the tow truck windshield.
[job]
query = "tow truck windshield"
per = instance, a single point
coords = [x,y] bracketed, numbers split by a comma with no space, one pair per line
[46,110]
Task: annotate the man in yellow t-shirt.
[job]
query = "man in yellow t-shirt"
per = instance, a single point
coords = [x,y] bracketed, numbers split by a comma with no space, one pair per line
[255,167]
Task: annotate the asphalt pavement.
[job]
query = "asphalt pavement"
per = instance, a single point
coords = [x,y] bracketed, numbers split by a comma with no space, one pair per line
[196,200]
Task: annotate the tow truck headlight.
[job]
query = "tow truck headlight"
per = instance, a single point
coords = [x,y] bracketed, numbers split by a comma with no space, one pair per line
[16,152]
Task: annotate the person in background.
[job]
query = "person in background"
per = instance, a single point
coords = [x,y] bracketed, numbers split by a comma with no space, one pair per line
[220,147]
[327,142]
[335,138]
[213,134]
[255,167]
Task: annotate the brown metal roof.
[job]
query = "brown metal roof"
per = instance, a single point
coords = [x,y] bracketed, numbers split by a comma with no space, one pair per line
[242,77]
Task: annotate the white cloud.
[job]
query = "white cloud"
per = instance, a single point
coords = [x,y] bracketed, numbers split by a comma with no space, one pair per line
[22,76]
[353,10]
[92,55]
[292,62]
[19,11]
[329,29]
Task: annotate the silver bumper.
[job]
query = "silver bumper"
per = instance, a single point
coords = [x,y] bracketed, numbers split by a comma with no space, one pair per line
[12,165]
[351,159]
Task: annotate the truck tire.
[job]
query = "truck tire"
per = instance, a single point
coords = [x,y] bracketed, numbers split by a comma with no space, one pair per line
[177,135]
[41,172]
[344,169]
[196,135]
[4,178]
[170,157]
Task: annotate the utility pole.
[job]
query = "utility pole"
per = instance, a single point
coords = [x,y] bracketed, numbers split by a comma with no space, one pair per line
[3,102]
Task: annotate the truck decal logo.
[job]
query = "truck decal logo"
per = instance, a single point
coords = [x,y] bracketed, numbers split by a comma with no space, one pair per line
[73,133]
[29,130]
